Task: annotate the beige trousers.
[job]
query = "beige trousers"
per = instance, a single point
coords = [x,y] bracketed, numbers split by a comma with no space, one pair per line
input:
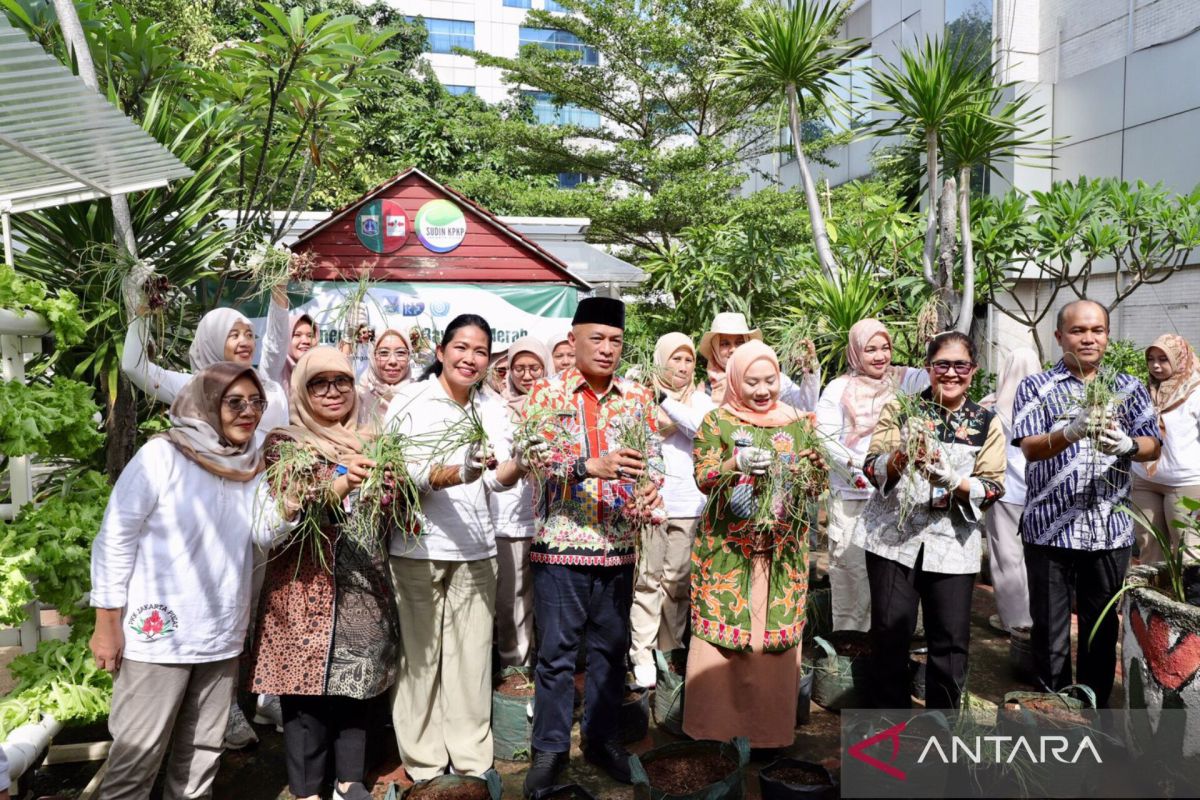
[850,593]
[1006,563]
[514,602]
[157,703]
[442,702]
[661,594]
[1160,504]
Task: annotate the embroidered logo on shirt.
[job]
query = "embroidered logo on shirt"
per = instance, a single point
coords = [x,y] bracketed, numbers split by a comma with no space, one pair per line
[153,621]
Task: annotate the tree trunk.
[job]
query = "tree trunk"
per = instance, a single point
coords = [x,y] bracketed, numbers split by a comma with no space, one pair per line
[931,215]
[815,215]
[121,428]
[967,307]
[947,297]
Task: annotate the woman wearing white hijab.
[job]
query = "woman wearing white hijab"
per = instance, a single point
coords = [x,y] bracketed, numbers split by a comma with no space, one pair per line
[1006,553]
[389,368]
[659,614]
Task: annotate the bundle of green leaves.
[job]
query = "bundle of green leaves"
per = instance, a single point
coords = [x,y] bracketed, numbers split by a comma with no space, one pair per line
[55,420]
[60,679]
[61,309]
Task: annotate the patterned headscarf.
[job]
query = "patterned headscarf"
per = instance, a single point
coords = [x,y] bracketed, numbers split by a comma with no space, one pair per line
[1175,390]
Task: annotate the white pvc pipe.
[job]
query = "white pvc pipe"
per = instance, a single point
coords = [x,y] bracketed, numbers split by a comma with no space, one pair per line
[26,743]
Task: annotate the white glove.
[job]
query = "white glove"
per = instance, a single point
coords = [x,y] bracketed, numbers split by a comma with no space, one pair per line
[942,474]
[530,451]
[1081,423]
[1116,442]
[753,460]
[473,465]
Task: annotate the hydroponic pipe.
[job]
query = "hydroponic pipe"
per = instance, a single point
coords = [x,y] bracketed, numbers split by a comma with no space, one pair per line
[25,744]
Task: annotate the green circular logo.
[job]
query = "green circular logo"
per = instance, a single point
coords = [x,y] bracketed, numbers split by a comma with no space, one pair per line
[441,226]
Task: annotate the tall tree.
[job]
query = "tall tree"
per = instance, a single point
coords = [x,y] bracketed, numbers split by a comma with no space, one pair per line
[792,50]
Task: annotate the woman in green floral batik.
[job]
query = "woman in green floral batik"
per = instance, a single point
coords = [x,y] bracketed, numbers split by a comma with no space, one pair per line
[756,460]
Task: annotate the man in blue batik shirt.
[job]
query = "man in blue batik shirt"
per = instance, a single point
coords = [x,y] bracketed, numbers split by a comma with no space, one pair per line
[1077,537]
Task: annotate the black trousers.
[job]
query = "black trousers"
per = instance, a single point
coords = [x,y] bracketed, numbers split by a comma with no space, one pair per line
[311,724]
[896,591]
[1093,577]
[567,601]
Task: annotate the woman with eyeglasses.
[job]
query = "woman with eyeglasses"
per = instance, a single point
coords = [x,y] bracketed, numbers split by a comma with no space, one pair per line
[514,515]
[445,582]
[327,632]
[171,583]
[223,334]
[937,462]
[389,367]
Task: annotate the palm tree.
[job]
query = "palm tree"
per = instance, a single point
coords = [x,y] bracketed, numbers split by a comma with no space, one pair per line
[987,130]
[791,50]
[929,87]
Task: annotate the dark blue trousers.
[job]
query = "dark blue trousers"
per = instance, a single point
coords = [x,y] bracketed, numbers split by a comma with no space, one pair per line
[569,601]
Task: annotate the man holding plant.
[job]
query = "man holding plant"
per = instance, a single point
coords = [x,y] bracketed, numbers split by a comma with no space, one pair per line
[585,547]
[1080,427]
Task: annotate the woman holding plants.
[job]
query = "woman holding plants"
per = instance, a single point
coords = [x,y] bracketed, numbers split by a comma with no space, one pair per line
[389,367]
[937,463]
[756,460]
[660,592]
[513,515]
[171,586]
[326,635]
[445,581]
[1159,485]
[847,413]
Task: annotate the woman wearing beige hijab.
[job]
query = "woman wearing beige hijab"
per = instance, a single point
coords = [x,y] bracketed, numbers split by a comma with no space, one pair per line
[327,631]
[1159,485]
[658,618]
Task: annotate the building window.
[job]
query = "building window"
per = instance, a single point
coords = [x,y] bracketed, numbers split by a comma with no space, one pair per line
[560,40]
[519,3]
[553,6]
[569,180]
[546,112]
[456,89]
[446,34]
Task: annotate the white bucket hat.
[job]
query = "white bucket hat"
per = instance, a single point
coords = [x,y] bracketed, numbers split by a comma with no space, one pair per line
[729,323]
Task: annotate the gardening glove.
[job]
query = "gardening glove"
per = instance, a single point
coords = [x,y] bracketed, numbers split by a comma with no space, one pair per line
[530,452]
[753,460]
[942,474]
[1081,423]
[473,465]
[1116,442]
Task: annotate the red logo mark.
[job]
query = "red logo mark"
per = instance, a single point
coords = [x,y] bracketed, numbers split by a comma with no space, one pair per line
[892,733]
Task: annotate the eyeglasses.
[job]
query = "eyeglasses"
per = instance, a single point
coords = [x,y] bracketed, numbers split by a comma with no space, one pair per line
[384,355]
[322,387]
[960,367]
[530,370]
[500,371]
[238,405]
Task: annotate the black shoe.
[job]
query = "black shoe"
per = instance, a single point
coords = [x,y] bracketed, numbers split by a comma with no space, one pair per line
[543,772]
[612,757]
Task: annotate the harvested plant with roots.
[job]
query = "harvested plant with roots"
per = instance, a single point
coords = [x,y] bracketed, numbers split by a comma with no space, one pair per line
[295,476]
[388,501]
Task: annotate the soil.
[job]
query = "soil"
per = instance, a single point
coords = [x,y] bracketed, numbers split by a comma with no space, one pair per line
[1049,710]
[687,773]
[515,686]
[456,791]
[796,775]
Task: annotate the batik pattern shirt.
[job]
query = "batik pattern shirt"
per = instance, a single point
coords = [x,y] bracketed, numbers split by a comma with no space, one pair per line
[584,523]
[729,540]
[909,515]
[1073,500]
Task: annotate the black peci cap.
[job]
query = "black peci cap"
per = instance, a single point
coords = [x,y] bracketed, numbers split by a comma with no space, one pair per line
[600,311]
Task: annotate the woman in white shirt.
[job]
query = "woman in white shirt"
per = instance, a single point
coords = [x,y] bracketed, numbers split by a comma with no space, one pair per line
[514,515]
[389,368]
[223,334]
[660,595]
[846,416]
[445,582]
[1006,553]
[1158,485]
[171,583]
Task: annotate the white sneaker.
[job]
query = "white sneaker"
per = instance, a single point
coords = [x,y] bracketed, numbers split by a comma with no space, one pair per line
[238,733]
[646,675]
[268,712]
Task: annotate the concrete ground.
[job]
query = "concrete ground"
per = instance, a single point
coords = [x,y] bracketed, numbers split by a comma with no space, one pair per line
[259,773]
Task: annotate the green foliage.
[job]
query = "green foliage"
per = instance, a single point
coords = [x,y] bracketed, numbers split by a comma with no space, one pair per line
[59,679]
[46,550]
[1123,355]
[52,420]
[60,309]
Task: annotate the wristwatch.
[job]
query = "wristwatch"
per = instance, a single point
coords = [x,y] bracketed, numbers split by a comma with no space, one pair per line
[579,470]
